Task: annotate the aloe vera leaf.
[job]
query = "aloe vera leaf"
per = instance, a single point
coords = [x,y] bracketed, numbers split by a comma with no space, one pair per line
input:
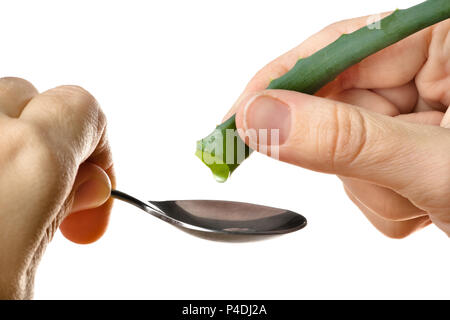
[312,73]
[216,147]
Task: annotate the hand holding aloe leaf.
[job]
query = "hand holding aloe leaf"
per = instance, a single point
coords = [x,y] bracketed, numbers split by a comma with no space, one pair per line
[382,125]
[310,74]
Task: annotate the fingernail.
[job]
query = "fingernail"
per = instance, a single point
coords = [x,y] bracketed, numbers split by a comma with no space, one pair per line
[91,194]
[266,112]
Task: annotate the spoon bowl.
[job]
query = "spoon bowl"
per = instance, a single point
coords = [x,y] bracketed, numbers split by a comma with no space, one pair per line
[224,218]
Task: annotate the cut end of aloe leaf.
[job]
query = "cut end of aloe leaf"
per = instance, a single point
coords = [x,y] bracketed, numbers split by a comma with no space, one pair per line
[223,150]
[220,171]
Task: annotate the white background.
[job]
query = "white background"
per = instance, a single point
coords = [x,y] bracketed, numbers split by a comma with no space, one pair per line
[165,72]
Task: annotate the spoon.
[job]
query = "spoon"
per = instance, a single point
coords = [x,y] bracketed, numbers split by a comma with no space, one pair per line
[219,217]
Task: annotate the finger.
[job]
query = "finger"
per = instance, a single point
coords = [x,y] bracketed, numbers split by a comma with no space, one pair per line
[433,80]
[366,99]
[15,93]
[382,202]
[380,101]
[89,218]
[424,104]
[392,229]
[432,118]
[71,119]
[403,97]
[445,122]
[334,137]
[85,227]
[92,187]
[392,67]
[92,202]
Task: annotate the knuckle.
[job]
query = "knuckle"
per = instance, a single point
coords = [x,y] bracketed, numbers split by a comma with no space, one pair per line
[10,82]
[85,102]
[74,90]
[15,93]
[347,136]
[437,197]
[77,103]
[76,96]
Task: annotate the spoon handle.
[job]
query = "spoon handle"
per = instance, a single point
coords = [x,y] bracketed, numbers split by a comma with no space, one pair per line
[129,199]
[119,195]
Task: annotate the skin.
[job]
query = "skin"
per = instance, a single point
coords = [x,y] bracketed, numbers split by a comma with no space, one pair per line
[56,172]
[383,126]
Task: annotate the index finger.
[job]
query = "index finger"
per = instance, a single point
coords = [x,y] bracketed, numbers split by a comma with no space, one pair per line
[391,67]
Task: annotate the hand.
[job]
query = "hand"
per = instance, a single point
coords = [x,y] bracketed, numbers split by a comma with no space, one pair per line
[55,161]
[380,126]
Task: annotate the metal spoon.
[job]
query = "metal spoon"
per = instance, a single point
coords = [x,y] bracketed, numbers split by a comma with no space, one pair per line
[220,217]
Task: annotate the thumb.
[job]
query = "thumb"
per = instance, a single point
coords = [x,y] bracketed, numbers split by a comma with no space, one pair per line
[339,138]
[90,210]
